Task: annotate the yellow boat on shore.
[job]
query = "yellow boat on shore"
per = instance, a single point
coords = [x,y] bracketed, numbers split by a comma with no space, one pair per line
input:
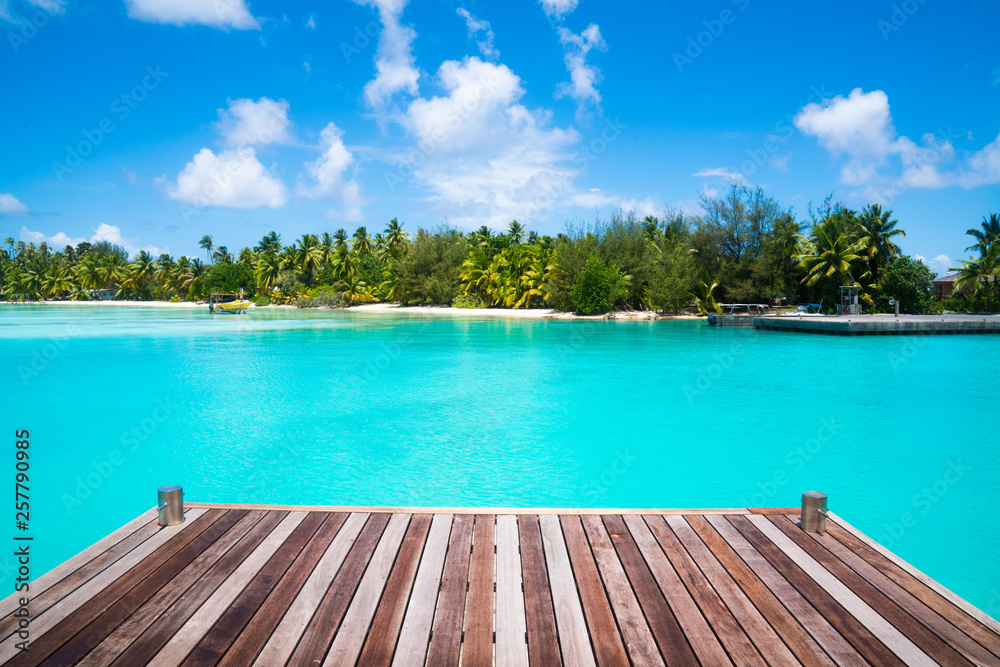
[239,306]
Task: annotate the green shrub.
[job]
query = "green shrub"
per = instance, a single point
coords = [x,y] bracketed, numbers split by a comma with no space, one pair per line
[468,301]
[598,287]
[262,301]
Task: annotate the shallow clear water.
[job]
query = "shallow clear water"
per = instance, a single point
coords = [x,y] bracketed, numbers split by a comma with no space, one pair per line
[328,407]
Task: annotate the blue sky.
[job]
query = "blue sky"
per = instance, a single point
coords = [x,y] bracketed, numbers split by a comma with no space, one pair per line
[153,122]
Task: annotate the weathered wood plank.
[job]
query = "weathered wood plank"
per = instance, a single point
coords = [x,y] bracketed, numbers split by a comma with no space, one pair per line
[699,634]
[635,630]
[733,637]
[326,621]
[838,648]
[539,617]
[477,642]
[414,636]
[905,649]
[806,650]
[608,647]
[958,616]
[350,638]
[571,624]
[59,582]
[770,646]
[849,627]
[229,626]
[446,637]
[381,642]
[188,636]
[256,633]
[670,638]
[910,627]
[128,631]
[286,636]
[511,646]
[497,511]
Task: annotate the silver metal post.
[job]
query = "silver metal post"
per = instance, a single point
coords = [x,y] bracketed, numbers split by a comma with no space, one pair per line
[813,517]
[170,505]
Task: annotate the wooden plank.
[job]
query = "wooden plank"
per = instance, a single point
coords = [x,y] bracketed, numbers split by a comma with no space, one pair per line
[639,641]
[811,620]
[188,636]
[60,581]
[539,617]
[770,646]
[42,583]
[43,601]
[446,637]
[784,511]
[101,599]
[608,647]
[990,622]
[126,633]
[477,639]
[699,634]
[796,637]
[674,646]
[731,634]
[233,622]
[918,588]
[385,627]
[104,580]
[414,636]
[571,624]
[907,651]
[285,637]
[900,616]
[256,633]
[842,620]
[350,638]
[511,647]
[326,621]
[517,511]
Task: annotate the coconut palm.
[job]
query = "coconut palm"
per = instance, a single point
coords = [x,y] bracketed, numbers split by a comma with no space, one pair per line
[705,298]
[206,244]
[987,235]
[830,251]
[271,242]
[880,229]
[479,274]
[977,272]
[307,257]
[267,271]
[345,264]
[221,255]
[326,249]
[515,230]
[395,237]
[356,290]
[362,242]
[55,281]
[339,238]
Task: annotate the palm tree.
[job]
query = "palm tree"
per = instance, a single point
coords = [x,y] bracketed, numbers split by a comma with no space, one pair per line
[478,273]
[705,300]
[308,257]
[267,271]
[345,266]
[880,229]
[975,272]
[221,255]
[651,228]
[395,237]
[207,245]
[326,249]
[986,236]
[270,243]
[356,290]
[339,238]
[9,241]
[362,242]
[829,252]
[515,230]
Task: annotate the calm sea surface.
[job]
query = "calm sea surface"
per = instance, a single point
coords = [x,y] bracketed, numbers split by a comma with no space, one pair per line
[335,408]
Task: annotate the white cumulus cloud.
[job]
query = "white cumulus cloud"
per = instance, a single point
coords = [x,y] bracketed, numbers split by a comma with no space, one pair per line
[231,179]
[103,232]
[475,26]
[720,172]
[214,13]
[558,7]
[249,123]
[11,205]
[57,241]
[584,78]
[327,176]
[395,68]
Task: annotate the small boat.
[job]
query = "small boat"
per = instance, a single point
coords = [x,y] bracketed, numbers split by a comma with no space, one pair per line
[238,306]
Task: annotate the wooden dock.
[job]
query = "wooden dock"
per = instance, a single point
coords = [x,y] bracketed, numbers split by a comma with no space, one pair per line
[263,585]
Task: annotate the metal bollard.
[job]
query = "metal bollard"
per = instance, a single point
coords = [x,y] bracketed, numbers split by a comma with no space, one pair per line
[813,517]
[170,505]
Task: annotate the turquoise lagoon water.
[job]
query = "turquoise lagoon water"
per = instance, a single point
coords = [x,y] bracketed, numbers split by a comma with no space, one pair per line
[336,408]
